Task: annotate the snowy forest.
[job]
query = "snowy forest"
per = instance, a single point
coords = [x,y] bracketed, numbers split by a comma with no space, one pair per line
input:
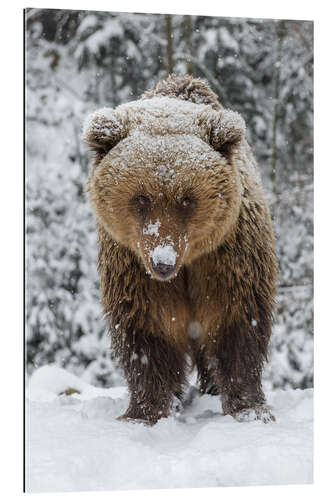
[77,61]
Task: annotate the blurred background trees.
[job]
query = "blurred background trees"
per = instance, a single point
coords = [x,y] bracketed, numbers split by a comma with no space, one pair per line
[79,60]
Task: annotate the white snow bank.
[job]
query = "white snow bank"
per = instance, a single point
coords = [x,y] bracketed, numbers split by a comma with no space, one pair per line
[48,382]
[75,442]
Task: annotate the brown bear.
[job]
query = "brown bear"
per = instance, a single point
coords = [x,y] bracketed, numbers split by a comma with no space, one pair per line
[186,248]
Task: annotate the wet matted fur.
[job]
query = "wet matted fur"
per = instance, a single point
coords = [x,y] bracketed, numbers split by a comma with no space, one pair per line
[173,172]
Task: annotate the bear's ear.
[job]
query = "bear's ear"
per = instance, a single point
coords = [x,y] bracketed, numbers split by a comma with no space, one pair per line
[227,130]
[103,129]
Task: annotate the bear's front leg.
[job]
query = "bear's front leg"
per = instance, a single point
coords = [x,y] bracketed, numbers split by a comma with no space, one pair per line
[238,352]
[155,372]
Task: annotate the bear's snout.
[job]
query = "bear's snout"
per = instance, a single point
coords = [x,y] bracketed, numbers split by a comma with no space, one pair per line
[163,271]
[163,260]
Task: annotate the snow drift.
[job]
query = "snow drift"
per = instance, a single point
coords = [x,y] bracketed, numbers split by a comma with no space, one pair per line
[75,443]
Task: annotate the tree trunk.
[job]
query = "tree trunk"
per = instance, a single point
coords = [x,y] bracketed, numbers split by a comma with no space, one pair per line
[188,42]
[169,34]
[277,70]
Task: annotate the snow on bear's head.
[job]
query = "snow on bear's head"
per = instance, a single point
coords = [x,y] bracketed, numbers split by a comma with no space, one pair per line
[165,180]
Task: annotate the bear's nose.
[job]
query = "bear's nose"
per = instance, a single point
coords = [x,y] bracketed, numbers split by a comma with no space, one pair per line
[163,270]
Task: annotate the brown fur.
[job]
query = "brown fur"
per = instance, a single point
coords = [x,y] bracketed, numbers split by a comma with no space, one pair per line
[185,176]
[186,88]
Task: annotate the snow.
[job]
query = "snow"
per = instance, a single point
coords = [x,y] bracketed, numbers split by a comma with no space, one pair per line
[164,254]
[48,382]
[194,330]
[165,116]
[152,228]
[102,121]
[111,29]
[169,107]
[75,443]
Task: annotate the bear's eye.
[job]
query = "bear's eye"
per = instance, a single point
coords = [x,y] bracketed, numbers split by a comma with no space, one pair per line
[188,203]
[141,204]
[143,201]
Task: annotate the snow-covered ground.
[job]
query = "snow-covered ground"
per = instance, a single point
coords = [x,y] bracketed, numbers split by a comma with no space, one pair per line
[75,443]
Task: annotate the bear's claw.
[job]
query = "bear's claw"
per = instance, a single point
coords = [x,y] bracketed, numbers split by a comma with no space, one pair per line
[261,412]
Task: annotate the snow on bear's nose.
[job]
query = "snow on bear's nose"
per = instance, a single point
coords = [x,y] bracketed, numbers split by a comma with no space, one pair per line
[163,259]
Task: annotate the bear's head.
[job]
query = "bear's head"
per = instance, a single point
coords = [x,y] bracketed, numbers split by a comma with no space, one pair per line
[165,181]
